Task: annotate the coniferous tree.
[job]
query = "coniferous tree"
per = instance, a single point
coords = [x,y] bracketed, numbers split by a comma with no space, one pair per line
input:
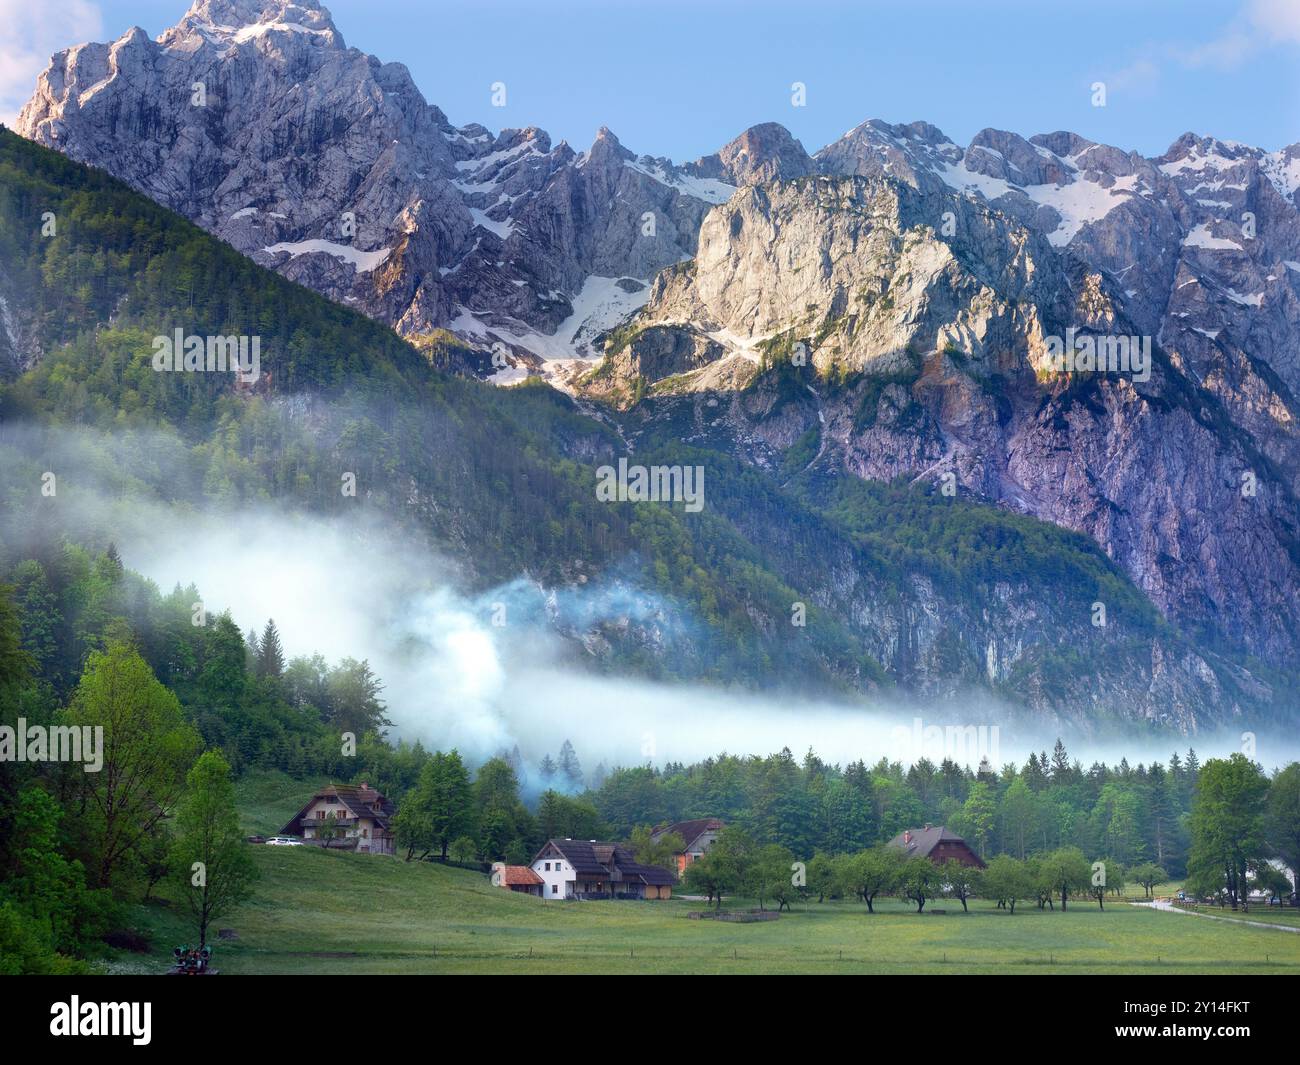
[570,767]
[270,657]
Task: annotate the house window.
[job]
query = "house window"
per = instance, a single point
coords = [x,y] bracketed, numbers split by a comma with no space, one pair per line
[331,798]
[548,867]
[555,889]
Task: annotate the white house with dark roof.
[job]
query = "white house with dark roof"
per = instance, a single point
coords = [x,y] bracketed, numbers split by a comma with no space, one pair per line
[362,818]
[589,869]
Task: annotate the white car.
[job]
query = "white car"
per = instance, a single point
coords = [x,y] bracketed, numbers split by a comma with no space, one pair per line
[283,841]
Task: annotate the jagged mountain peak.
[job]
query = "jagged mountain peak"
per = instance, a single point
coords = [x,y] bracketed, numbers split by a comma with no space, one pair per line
[226,24]
[762,153]
[306,13]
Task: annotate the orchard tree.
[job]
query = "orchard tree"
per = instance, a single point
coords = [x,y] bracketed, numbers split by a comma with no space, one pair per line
[820,876]
[918,880]
[1065,871]
[773,875]
[961,881]
[1007,880]
[727,867]
[1106,875]
[868,873]
[1148,874]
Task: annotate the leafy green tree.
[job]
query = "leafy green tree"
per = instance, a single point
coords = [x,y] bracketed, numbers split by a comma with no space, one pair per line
[773,875]
[1109,876]
[147,745]
[1282,820]
[848,816]
[1007,880]
[704,877]
[42,883]
[354,703]
[1116,822]
[26,950]
[452,798]
[209,854]
[328,830]
[223,675]
[919,879]
[869,873]
[1066,871]
[463,849]
[1148,875]
[727,867]
[1018,811]
[661,852]
[498,812]
[979,815]
[15,663]
[959,880]
[41,617]
[820,876]
[1227,822]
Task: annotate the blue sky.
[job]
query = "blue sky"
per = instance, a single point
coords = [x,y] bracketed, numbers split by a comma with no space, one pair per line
[681,78]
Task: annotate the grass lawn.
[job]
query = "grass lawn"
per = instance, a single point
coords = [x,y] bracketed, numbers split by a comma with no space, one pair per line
[319,911]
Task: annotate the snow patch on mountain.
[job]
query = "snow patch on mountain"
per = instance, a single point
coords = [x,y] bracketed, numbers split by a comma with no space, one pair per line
[362,261]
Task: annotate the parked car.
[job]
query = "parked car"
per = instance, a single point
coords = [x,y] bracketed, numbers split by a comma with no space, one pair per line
[283,841]
[1182,896]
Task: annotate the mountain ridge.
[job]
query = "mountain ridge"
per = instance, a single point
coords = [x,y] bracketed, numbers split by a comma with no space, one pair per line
[923,323]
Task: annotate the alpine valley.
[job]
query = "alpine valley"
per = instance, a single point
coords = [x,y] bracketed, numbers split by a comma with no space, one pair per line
[856,345]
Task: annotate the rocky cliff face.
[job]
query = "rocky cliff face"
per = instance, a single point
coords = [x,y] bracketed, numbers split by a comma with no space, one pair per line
[895,296]
[925,321]
[253,118]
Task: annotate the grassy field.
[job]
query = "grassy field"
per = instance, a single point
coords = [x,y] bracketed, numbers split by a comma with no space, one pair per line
[336,912]
[318,911]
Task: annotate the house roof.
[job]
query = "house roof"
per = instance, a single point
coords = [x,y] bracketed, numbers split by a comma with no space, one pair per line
[690,831]
[358,799]
[594,858]
[519,874]
[924,840]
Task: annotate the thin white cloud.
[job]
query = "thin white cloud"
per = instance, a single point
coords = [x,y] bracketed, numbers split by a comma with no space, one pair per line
[1257,25]
[32,33]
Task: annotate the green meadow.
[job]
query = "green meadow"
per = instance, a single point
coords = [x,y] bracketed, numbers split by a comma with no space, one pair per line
[316,911]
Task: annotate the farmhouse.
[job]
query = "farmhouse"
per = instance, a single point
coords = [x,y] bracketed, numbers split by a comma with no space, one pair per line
[362,818]
[699,835]
[937,844]
[522,879]
[588,869]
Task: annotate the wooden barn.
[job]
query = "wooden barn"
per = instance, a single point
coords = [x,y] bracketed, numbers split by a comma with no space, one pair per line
[937,844]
